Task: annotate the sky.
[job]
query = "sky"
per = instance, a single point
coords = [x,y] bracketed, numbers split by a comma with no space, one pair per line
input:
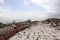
[21,10]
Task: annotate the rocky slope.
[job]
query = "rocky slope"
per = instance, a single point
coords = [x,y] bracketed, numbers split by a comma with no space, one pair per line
[38,32]
[32,30]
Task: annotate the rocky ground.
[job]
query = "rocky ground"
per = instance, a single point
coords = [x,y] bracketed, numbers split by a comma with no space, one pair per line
[48,29]
[38,32]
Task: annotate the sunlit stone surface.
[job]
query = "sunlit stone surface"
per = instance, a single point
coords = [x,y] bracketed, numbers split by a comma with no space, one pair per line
[38,32]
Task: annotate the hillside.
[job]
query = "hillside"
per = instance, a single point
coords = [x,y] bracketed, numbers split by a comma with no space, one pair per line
[48,29]
[38,32]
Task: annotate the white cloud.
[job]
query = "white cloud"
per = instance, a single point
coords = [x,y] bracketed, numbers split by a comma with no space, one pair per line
[42,3]
[26,2]
[2,1]
[8,15]
[49,5]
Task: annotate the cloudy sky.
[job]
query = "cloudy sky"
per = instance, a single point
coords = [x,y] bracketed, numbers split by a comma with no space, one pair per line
[21,10]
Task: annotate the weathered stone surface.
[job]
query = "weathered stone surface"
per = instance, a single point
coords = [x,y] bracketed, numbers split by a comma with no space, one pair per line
[32,30]
[38,32]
